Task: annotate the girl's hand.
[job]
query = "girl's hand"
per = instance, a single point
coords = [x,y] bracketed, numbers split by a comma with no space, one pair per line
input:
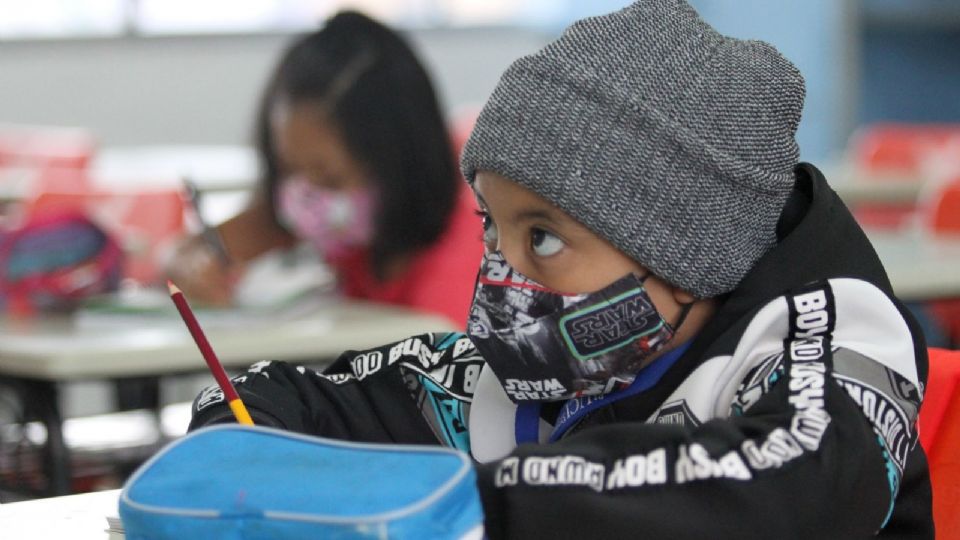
[200,273]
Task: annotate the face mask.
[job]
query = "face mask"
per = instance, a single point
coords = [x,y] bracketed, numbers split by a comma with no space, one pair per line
[334,221]
[546,346]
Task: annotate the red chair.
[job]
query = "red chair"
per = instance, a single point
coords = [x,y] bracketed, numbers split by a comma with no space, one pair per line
[940,213]
[940,437]
[44,146]
[941,208]
[890,152]
[899,148]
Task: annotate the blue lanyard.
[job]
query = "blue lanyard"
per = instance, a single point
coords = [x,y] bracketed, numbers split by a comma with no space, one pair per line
[527,420]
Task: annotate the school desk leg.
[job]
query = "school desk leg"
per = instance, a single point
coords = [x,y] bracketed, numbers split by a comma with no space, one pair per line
[43,402]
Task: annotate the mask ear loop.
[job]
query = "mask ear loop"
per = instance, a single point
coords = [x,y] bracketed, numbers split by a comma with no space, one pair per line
[684,311]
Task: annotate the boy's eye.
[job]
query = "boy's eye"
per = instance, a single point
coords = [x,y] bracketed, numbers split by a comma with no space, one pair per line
[485,219]
[489,232]
[545,244]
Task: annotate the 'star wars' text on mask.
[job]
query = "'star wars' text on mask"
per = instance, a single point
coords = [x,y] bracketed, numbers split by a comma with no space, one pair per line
[547,346]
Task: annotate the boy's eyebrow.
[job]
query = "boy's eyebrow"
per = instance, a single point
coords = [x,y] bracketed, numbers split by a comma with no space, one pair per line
[480,202]
[528,215]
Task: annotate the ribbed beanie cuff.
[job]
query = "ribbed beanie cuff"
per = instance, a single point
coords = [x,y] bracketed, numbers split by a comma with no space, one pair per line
[671,141]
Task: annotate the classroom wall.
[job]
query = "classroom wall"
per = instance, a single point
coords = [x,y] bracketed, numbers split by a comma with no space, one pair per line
[864,60]
[911,70]
[910,65]
[203,89]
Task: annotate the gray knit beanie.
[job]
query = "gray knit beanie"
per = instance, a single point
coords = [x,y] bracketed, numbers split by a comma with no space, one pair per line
[670,140]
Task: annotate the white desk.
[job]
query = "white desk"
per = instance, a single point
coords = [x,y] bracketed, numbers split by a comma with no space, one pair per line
[77,517]
[214,168]
[920,266]
[857,192]
[37,354]
[857,187]
[59,350]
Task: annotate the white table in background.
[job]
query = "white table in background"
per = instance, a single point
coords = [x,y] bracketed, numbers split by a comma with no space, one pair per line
[920,266]
[857,187]
[57,349]
[38,354]
[213,168]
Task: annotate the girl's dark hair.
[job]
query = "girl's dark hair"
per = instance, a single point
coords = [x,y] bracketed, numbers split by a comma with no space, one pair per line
[382,103]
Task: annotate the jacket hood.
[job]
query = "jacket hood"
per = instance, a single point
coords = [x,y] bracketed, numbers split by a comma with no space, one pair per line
[818,238]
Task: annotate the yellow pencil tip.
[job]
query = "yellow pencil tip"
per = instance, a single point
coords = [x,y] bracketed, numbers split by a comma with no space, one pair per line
[173,288]
[240,412]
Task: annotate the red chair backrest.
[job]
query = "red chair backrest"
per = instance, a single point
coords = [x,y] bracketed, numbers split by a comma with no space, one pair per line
[940,437]
[942,208]
[44,146]
[899,153]
[899,147]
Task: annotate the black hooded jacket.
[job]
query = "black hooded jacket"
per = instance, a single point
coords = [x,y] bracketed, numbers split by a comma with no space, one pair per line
[792,414]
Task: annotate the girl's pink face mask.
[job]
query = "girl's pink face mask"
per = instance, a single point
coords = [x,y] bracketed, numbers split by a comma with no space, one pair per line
[336,222]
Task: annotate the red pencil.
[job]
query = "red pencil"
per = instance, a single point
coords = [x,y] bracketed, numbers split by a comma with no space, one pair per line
[233,399]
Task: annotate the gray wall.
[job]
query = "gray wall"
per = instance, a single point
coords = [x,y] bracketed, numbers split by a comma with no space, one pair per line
[203,89]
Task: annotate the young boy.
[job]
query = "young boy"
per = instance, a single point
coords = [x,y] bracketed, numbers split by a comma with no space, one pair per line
[677,331]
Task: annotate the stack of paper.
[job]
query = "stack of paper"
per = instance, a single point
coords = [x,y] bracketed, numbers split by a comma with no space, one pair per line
[115,528]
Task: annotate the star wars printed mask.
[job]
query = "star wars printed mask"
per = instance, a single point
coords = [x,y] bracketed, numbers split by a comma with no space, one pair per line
[547,346]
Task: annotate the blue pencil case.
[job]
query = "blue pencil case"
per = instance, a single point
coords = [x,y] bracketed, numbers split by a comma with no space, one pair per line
[233,482]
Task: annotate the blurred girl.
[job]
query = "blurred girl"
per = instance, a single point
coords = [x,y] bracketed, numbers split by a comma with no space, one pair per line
[356,161]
